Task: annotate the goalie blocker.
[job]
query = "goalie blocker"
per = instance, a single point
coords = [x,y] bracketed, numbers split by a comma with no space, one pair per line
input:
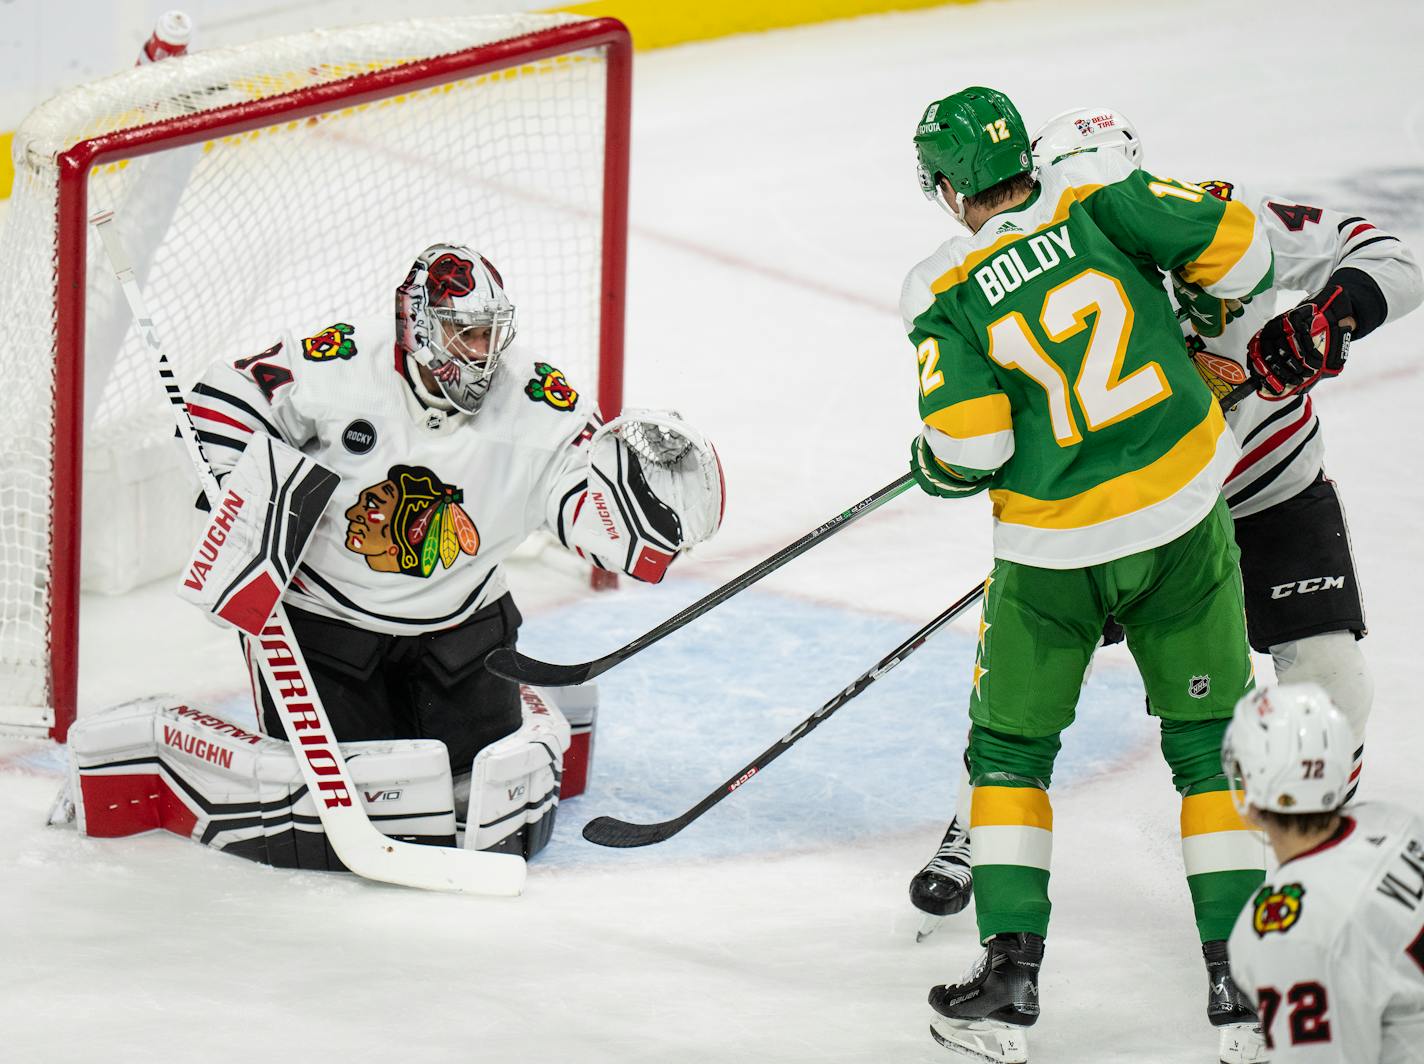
[258,532]
[156,764]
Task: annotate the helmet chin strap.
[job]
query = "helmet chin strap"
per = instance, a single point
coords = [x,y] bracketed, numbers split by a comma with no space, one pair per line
[438,399]
[957,211]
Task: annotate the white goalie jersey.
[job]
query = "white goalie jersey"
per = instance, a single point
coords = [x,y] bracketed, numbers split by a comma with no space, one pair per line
[1281,445]
[1332,947]
[429,502]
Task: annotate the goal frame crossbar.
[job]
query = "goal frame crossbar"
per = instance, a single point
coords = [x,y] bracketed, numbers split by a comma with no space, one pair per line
[72,236]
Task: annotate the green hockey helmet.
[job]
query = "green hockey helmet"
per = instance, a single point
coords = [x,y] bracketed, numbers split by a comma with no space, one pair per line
[974,139]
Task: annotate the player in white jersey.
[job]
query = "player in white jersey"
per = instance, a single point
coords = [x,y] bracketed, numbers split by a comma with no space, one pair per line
[1303,601]
[451,445]
[1332,946]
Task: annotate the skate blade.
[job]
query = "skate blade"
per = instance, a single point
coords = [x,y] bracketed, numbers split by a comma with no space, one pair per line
[928,926]
[62,812]
[1242,1043]
[983,1040]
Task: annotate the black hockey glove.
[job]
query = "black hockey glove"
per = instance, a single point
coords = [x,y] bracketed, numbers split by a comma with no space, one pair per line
[1295,349]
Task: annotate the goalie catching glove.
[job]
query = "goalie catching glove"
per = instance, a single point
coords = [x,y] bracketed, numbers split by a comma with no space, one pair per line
[1310,341]
[258,532]
[655,488]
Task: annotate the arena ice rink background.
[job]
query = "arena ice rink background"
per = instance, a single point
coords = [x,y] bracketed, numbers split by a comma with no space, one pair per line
[774,215]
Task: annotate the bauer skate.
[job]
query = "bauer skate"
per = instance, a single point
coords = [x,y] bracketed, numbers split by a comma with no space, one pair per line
[945,885]
[982,1017]
[1240,1040]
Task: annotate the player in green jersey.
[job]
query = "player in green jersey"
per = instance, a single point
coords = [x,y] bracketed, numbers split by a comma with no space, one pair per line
[1053,374]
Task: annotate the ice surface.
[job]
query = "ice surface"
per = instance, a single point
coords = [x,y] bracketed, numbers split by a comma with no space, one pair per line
[775,213]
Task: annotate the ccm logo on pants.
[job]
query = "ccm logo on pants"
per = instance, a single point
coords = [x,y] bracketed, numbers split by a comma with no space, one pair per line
[1305,587]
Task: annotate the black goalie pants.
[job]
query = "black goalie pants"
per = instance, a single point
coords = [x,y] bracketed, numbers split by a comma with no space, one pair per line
[428,686]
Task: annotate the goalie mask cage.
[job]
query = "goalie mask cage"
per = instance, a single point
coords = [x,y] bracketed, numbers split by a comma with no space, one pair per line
[255,188]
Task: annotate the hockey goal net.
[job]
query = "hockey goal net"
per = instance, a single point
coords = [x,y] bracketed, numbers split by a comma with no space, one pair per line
[254,187]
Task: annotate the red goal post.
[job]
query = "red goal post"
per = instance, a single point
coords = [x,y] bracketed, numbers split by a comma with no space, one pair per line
[259,186]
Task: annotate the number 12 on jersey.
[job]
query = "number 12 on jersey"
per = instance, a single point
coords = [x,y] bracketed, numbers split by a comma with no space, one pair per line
[1104,395]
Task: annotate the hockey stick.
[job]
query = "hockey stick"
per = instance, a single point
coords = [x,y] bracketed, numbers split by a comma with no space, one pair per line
[610,831]
[512,665]
[361,848]
[1241,391]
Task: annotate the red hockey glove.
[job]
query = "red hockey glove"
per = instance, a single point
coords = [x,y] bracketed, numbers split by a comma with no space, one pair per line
[1295,349]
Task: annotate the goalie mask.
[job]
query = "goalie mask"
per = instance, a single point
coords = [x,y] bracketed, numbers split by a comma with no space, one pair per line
[454,319]
[1083,129]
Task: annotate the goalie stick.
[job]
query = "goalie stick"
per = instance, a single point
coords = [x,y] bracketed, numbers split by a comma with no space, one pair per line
[361,848]
[610,831]
[512,665]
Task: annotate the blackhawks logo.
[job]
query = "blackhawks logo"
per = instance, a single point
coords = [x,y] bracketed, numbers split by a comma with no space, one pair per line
[1220,374]
[410,522]
[1220,189]
[1277,910]
[549,386]
[332,342]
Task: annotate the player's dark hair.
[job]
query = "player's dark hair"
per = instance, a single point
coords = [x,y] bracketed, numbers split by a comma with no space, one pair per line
[995,195]
[1297,823]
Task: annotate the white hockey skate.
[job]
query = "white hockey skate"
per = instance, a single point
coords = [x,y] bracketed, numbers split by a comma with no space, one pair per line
[1242,1043]
[981,1040]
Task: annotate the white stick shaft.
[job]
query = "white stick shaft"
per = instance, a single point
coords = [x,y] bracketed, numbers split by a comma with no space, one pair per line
[362,848]
[103,221]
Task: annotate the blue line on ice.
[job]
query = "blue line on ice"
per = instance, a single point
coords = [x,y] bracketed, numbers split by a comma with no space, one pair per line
[680,718]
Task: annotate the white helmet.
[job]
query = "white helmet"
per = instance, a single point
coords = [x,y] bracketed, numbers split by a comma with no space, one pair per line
[1083,128]
[1289,749]
[450,292]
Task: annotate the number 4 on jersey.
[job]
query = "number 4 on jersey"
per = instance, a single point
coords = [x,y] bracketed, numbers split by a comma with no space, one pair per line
[1294,216]
[266,375]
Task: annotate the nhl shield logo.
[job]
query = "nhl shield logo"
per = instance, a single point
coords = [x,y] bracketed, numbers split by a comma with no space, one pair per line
[1199,686]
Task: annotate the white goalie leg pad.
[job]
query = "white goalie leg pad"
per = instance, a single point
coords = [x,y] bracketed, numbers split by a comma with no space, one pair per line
[514,783]
[156,764]
[1334,661]
[655,487]
[257,534]
[579,705]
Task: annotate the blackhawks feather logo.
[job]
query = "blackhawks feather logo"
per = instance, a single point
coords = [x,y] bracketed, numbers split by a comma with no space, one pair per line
[410,522]
[1277,910]
[1220,374]
[332,342]
[548,385]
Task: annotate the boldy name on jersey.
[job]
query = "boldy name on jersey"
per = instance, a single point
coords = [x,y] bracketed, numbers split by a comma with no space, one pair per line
[1010,269]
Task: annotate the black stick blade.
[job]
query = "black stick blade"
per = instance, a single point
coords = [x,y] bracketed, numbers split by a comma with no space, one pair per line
[512,665]
[610,831]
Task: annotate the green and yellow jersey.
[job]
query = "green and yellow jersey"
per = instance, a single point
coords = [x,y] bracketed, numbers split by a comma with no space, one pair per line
[1052,369]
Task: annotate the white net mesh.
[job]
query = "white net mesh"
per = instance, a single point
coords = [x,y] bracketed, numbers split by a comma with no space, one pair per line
[243,234]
